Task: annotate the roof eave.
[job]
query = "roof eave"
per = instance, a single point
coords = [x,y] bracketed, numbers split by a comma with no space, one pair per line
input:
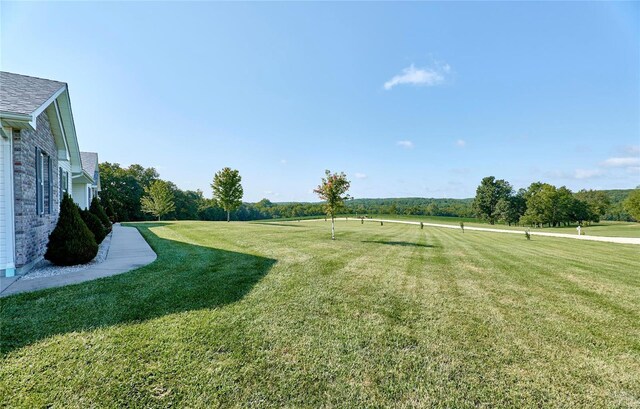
[64,105]
[82,176]
[19,121]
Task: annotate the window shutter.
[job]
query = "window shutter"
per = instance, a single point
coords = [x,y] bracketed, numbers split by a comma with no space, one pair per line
[38,182]
[60,185]
[49,185]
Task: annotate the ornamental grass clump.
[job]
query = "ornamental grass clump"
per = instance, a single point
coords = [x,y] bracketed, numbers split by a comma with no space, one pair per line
[71,242]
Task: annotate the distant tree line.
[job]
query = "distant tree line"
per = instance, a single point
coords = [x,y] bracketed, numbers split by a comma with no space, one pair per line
[124,187]
[543,204]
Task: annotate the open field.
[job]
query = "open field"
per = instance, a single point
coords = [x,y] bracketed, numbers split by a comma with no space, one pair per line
[276,314]
[604,228]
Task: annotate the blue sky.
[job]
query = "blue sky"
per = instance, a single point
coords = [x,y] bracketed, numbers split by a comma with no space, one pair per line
[409,99]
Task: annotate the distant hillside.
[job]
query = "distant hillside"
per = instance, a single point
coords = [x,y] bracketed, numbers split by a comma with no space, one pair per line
[415,206]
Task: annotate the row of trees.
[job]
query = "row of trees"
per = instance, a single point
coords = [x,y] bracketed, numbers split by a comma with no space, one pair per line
[124,187]
[542,204]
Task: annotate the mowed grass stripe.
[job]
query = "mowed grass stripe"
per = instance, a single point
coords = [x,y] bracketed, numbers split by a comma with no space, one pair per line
[247,314]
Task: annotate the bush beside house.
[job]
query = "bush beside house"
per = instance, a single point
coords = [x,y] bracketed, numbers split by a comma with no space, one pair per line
[94,224]
[71,242]
[97,210]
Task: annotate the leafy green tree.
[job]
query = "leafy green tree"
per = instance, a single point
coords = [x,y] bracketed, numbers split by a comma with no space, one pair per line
[536,198]
[596,204]
[333,191]
[549,205]
[227,190]
[158,199]
[510,210]
[187,203]
[488,194]
[563,202]
[632,204]
[122,189]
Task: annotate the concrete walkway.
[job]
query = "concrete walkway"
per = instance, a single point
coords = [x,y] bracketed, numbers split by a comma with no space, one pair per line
[128,251]
[620,240]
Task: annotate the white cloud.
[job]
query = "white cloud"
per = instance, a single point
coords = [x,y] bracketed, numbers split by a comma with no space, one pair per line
[419,76]
[587,173]
[460,143]
[361,175]
[405,144]
[283,161]
[621,162]
[632,149]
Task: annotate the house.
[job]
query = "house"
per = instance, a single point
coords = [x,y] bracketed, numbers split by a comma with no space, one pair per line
[40,161]
[86,188]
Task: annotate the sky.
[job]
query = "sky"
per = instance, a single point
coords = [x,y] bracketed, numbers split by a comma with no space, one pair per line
[408,99]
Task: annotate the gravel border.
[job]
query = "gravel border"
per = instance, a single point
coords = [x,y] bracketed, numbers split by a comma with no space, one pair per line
[47,269]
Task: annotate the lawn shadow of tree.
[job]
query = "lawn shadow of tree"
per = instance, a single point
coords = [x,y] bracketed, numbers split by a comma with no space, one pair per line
[184,277]
[280,224]
[399,243]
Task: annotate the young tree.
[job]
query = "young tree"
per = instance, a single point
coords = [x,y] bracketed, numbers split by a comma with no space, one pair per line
[158,199]
[333,190]
[227,190]
[488,194]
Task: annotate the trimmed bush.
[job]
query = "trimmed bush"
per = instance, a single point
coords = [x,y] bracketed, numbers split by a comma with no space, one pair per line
[71,242]
[97,209]
[108,209]
[94,224]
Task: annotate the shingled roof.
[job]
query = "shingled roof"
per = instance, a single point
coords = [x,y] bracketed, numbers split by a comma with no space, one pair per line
[21,94]
[89,162]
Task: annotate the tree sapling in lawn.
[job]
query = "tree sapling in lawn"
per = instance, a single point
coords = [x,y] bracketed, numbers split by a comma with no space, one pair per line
[227,190]
[158,199]
[333,190]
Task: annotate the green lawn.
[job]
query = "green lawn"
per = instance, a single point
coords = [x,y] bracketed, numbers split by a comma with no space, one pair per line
[273,315]
[604,228]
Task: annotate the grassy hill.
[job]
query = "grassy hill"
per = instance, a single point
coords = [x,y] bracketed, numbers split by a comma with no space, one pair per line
[278,315]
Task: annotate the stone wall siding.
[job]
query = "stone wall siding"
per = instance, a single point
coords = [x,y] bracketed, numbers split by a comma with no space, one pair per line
[32,230]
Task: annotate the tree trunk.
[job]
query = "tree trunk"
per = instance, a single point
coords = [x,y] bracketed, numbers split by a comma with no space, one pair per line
[158,218]
[228,216]
[333,230]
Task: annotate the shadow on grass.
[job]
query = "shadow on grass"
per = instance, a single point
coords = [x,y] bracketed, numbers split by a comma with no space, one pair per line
[184,277]
[282,224]
[398,243]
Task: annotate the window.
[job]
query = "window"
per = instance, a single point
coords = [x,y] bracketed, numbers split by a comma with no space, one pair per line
[44,185]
